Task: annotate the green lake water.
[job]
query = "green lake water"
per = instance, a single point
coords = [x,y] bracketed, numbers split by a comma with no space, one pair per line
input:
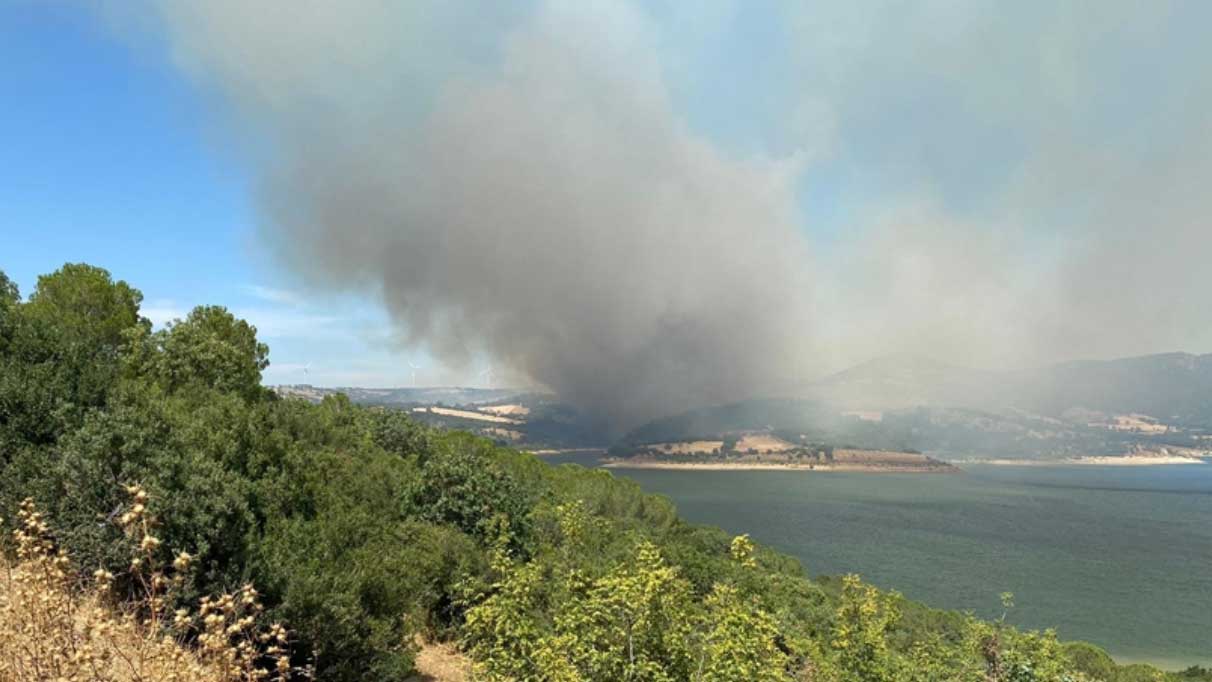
[1119,556]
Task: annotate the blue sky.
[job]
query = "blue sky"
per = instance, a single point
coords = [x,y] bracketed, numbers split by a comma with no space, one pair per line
[988,182]
[112,159]
[117,159]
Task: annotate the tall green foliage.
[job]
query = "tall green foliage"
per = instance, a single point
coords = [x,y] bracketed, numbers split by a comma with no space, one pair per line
[364,528]
[209,349]
[561,616]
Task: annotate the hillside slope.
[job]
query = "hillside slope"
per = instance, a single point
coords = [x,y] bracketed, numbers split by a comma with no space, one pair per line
[364,528]
[1158,404]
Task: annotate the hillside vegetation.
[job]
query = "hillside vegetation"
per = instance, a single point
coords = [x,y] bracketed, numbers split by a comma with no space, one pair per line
[363,529]
[52,628]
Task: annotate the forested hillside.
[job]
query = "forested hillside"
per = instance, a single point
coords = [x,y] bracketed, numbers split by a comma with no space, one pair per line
[362,528]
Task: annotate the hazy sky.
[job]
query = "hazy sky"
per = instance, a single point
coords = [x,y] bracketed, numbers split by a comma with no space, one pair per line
[674,202]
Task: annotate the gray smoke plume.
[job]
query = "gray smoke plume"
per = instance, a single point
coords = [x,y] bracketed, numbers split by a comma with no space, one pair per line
[555,214]
[1031,182]
[1043,169]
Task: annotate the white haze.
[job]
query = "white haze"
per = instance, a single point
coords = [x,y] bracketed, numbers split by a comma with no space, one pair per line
[523,183]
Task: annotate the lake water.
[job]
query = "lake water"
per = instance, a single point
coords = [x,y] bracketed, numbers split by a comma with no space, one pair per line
[1119,556]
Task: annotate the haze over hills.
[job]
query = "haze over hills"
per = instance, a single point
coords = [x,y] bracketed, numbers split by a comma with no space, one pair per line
[426,395]
[1156,404]
[1159,404]
[672,223]
[549,196]
[1175,387]
[509,416]
[369,529]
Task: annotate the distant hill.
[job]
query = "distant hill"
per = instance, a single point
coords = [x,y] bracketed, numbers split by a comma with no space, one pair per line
[1176,387]
[1156,403]
[518,418]
[900,402]
[902,381]
[400,397]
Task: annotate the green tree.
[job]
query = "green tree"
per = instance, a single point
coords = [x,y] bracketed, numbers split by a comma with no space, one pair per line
[861,625]
[9,299]
[740,644]
[88,312]
[463,484]
[633,623]
[62,350]
[364,527]
[212,349]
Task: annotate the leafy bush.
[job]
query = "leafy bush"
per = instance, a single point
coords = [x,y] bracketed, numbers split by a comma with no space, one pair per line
[364,528]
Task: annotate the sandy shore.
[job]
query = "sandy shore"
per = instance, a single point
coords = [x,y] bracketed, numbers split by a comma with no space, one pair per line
[774,466]
[564,451]
[1118,461]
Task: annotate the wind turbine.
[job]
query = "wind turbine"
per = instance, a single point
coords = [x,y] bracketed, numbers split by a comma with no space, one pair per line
[489,374]
[414,373]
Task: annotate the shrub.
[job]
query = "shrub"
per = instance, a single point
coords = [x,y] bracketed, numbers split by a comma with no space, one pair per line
[51,628]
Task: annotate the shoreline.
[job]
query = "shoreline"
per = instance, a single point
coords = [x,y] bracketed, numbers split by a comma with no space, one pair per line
[774,466]
[563,451]
[1102,460]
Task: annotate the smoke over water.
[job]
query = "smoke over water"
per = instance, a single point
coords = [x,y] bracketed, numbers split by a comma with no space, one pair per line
[528,185]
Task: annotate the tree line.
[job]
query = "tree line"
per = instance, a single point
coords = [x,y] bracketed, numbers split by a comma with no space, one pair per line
[363,529]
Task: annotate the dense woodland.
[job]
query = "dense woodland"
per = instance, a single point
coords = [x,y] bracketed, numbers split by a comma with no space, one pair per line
[364,530]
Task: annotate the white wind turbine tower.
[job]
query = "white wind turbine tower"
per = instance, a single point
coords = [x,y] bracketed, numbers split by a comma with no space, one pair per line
[489,374]
[414,373]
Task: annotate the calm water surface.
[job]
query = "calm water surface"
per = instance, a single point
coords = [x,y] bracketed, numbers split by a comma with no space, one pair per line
[1120,556]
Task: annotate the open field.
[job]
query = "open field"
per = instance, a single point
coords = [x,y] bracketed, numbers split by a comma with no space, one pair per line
[507,434]
[761,442]
[1137,423]
[687,447]
[507,410]
[468,414]
[847,456]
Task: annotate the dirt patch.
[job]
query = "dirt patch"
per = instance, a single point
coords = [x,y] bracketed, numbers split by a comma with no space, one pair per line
[441,662]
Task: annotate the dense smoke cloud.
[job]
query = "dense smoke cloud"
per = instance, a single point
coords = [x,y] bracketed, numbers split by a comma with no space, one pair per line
[1033,177]
[1022,183]
[555,213]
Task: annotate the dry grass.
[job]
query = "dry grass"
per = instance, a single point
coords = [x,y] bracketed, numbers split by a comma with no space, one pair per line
[440,662]
[468,414]
[52,628]
[510,410]
[507,434]
[1139,423]
[764,443]
[688,447]
[846,456]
